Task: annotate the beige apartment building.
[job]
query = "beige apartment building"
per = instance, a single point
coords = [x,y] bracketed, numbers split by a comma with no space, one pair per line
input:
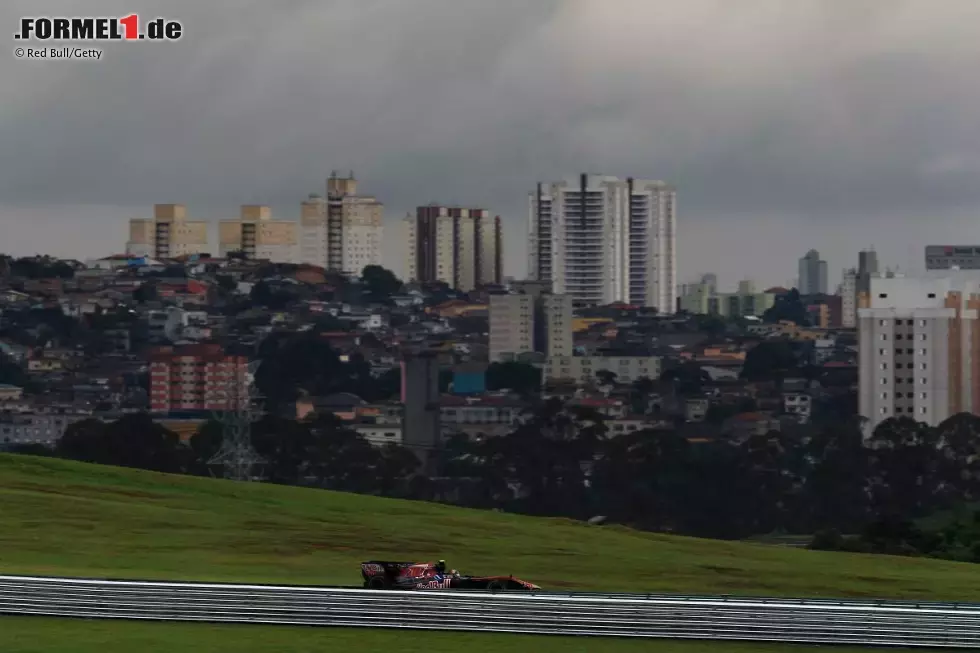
[167,234]
[584,370]
[342,231]
[919,347]
[511,326]
[458,246]
[526,323]
[257,236]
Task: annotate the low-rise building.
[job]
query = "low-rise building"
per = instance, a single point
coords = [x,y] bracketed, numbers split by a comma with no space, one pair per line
[585,369]
[44,427]
[197,378]
[10,392]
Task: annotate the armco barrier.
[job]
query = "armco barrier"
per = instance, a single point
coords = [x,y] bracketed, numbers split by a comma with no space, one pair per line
[867,623]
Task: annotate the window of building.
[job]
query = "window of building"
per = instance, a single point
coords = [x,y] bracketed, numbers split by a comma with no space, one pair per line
[883,410]
[882,352]
[922,395]
[922,366]
[922,410]
[884,336]
[884,366]
[882,295]
[932,295]
[884,395]
[884,380]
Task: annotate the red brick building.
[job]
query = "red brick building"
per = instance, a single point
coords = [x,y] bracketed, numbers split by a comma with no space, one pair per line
[196,378]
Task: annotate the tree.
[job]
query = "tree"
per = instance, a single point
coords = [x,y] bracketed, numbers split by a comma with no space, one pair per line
[291,362]
[41,267]
[32,449]
[959,440]
[688,378]
[906,468]
[606,377]
[770,482]
[642,478]
[640,393]
[522,378]
[771,360]
[284,445]
[713,325]
[11,373]
[262,294]
[131,441]
[835,488]
[226,283]
[146,292]
[787,308]
[381,283]
[396,467]
[340,459]
[204,444]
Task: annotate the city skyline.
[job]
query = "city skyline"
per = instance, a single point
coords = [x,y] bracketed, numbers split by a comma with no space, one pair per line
[766,136]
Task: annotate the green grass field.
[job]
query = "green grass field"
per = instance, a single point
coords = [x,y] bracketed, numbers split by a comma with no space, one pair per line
[64,518]
[69,518]
[30,635]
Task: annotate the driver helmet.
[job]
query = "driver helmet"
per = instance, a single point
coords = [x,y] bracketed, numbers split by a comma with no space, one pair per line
[441,565]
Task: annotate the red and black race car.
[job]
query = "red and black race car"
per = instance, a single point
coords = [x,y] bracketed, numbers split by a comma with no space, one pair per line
[382,575]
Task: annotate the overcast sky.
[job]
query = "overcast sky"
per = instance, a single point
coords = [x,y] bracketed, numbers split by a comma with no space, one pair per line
[785,124]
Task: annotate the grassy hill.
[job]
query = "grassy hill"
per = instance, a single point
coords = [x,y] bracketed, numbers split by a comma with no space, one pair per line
[59,517]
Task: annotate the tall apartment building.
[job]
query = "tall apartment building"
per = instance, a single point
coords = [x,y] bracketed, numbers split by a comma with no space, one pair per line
[198,377]
[849,296]
[856,285]
[167,234]
[341,232]
[919,348]
[527,323]
[511,326]
[601,240]
[813,274]
[257,236]
[459,246]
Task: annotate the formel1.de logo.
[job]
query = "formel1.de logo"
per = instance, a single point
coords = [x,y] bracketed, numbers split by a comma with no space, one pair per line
[125,28]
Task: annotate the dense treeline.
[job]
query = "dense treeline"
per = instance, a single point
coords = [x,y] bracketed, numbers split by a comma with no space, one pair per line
[565,464]
[562,462]
[315,452]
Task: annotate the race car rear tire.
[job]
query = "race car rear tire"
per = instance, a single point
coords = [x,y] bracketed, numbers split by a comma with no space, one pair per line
[376,583]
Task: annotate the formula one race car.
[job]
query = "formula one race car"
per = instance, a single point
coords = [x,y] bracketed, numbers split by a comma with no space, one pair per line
[381,575]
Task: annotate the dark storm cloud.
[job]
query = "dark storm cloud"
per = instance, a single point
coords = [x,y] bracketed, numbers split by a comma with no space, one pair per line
[819,112]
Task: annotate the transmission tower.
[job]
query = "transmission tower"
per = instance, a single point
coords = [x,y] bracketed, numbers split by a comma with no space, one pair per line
[236,454]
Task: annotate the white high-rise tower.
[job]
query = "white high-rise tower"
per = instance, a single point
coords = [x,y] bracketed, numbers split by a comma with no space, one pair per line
[601,240]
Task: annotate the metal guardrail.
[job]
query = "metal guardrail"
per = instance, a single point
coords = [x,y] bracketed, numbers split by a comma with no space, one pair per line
[862,623]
